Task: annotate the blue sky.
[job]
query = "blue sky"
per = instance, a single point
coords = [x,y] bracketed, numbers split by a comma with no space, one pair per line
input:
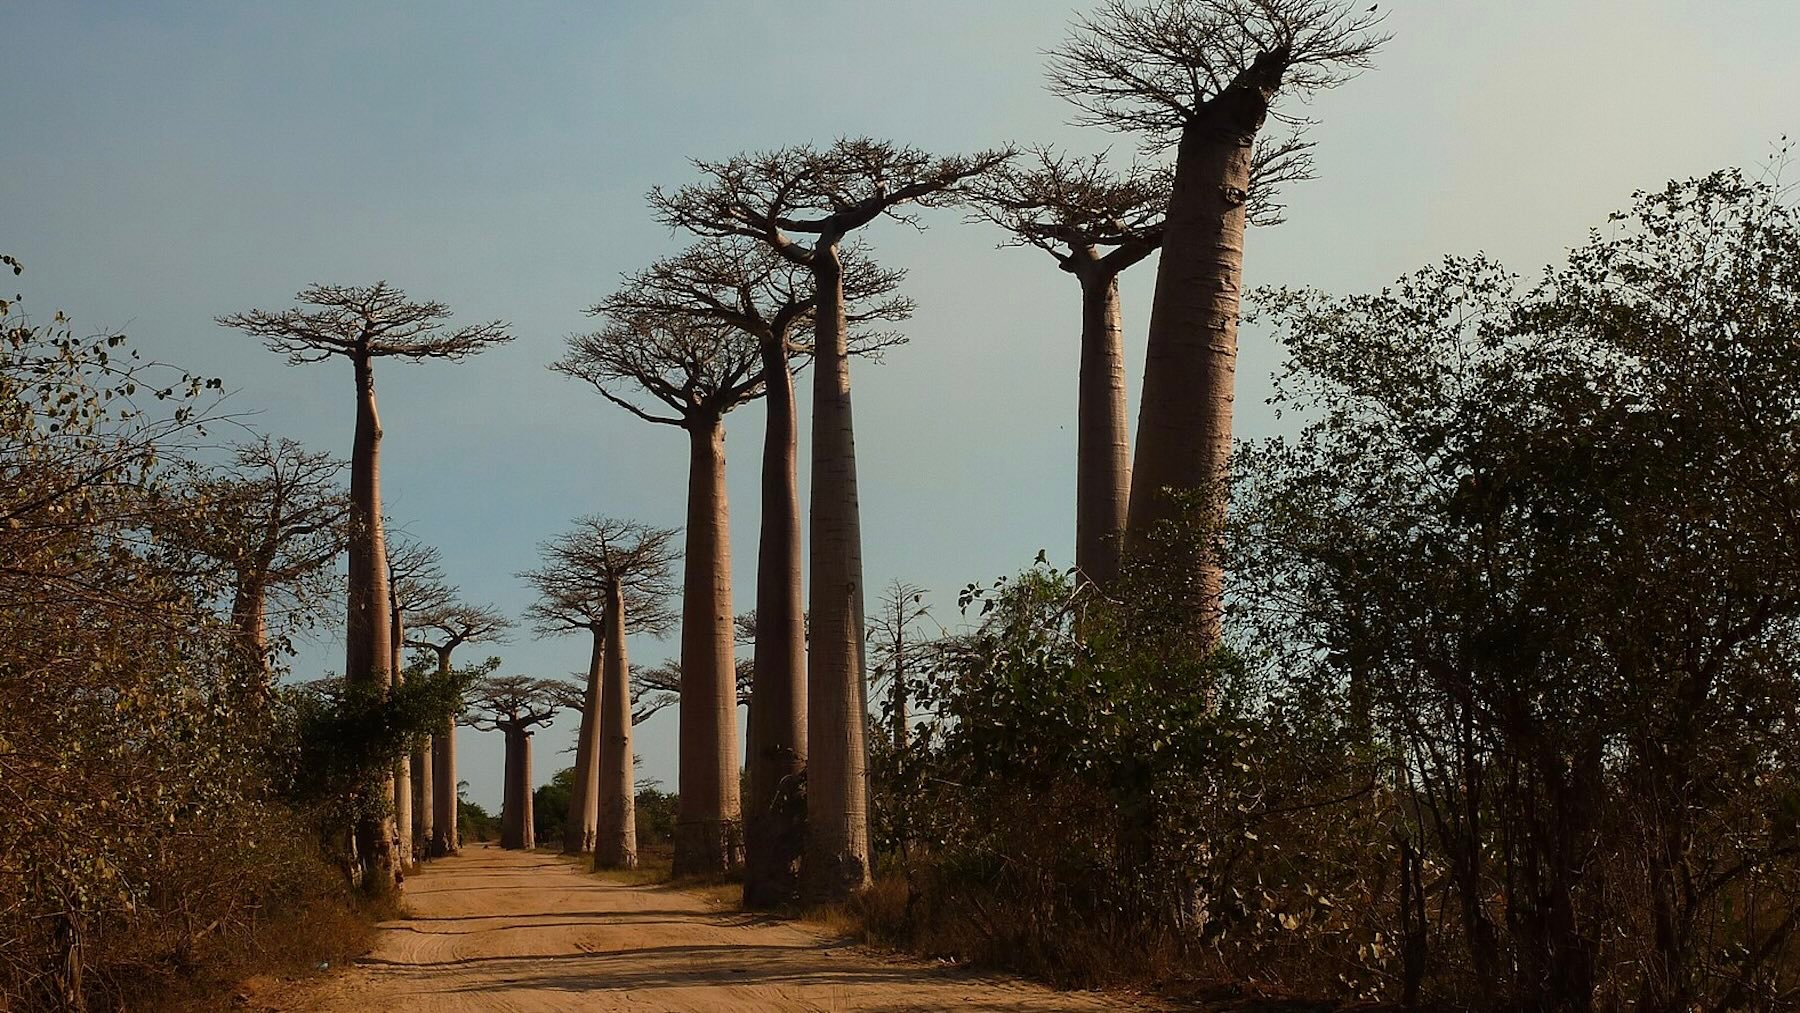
[164,163]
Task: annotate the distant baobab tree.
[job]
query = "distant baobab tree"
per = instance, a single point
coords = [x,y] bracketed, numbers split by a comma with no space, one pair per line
[451,626]
[746,285]
[1096,223]
[1202,77]
[415,585]
[694,372]
[514,705]
[803,202]
[275,521]
[605,577]
[363,324]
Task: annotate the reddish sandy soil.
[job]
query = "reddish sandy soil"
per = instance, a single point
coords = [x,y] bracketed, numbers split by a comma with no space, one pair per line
[506,930]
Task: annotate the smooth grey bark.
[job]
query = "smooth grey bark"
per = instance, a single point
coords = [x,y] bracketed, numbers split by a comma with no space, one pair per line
[584,795]
[836,855]
[1103,441]
[708,831]
[1190,364]
[777,725]
[615,843]
[367,652]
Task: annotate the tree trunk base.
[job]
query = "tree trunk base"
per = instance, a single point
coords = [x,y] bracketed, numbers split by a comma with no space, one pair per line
[831,879]
[617,857]
[773,844]
[708,848]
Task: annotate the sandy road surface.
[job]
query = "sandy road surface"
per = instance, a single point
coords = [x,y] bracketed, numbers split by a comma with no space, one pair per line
[502,930]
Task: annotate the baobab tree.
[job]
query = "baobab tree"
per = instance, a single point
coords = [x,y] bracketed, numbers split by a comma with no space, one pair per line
[803,202]
[746,285]
[1202,77]
[451,626]
[605,577]
[1096,224]
[363,324]
[514,705]
[699,371]
[415,585]
[274,520]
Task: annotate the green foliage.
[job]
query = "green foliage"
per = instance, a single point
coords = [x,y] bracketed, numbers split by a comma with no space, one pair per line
[550,806]
[343,739]
[655,816]
[476,823]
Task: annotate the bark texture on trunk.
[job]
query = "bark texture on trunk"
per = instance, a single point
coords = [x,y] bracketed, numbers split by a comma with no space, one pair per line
[446,836]
[836,859]
[527,804]
[249,621]
[615,843]
[584,794]
[367,651]
[512,823]
[708,834]
[1103,441]
[777,734]
[424,797]
[1190,366]
[403,780]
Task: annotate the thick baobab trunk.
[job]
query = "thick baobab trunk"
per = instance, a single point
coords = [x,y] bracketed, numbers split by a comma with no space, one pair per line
[1103,441]
[772,843]
[615,833]
[708,835]
[446,831]
[584,796]
[836,861]
[511,813]
[446,837]
[403,786]
[527,815]
[423,797]
[249,621]
[1190,366]
[367,652]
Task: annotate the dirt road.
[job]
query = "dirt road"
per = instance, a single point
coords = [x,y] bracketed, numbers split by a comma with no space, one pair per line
[504,930]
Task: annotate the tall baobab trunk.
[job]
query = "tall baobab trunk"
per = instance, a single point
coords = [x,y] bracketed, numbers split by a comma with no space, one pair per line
[778,696]
[1190,366]
[708,835]
[836,860]
[615,840]
[512,834]
[1103,443]
[527,817]
[403,786]
[249,621]
[424,800]
[367,652]
[584,796]
[446,836]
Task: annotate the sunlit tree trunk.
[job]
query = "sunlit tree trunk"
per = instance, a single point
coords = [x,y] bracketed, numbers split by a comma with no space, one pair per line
[1190,365]
[446,822]
[367,652]
[708,835]
[527,804]
[615,844]
[778,696]
[403,786]
[584,796]
[1103,442]
[249,621]
[836,860]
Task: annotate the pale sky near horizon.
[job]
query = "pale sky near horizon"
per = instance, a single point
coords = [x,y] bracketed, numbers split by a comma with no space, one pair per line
[168,162]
